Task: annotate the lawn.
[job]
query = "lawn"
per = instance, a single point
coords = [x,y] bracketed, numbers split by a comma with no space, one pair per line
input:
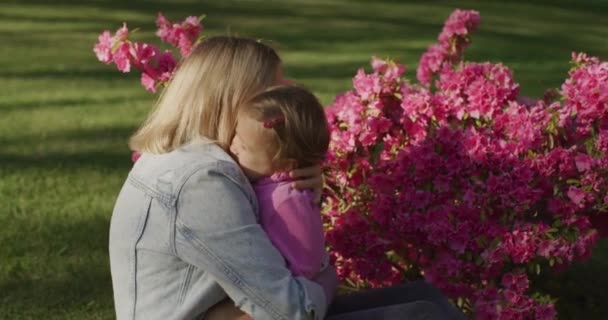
[65,118]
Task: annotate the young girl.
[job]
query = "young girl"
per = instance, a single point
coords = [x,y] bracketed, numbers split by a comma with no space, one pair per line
[281,129]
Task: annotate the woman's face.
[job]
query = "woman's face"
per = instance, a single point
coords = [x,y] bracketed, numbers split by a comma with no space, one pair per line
[251,148]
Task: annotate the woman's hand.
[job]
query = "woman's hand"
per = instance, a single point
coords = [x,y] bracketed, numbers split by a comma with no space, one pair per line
[309,178]
[226,310]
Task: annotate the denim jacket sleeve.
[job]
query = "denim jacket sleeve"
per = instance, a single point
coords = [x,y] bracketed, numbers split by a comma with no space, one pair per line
[217,231]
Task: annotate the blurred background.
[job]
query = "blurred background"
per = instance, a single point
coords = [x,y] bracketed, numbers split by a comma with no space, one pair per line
[65,118]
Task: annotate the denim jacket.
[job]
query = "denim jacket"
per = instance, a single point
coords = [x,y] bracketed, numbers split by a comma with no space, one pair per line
[185,235]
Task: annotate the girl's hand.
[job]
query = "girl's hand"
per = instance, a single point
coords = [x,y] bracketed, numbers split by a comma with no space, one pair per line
[309,178]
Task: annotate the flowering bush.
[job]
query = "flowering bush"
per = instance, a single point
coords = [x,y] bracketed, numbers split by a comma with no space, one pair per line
[461,181]
[456,179]
[156,67]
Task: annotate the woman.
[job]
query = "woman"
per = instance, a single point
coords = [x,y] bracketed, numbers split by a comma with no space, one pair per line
[184,234]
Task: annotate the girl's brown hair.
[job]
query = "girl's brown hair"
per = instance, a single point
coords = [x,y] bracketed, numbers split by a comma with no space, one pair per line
[203,97]
[295,120]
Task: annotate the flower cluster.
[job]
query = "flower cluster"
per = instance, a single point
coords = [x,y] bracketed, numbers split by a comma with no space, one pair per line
[156,66]
[453,39]
[457,179]
[466,184]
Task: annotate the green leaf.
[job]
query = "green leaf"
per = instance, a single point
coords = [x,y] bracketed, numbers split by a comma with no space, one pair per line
[460,302]
[556,190]
[375,152]
[574,182]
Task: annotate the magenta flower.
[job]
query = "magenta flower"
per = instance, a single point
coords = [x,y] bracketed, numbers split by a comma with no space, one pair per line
[122,57]
[430,63]
[460,23]
[103,49]
[156,68]
[577,195]
[181,35]
[148,82]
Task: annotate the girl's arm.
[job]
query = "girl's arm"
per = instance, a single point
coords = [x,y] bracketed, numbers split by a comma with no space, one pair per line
[295,227]
[216,230]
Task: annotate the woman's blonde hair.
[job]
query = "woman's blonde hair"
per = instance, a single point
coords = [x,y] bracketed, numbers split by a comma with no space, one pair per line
[203,98]
[294,119]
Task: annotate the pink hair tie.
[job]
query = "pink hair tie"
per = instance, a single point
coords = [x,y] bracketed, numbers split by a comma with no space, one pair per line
[271,123]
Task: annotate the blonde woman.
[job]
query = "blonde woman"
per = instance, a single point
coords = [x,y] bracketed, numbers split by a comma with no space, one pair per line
[185,232]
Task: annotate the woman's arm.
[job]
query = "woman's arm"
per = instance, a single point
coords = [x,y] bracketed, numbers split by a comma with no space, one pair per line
[216,230]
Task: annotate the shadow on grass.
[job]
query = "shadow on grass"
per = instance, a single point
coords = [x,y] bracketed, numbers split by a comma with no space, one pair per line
[64,266]
[97,148]
[9,106]
[581,290]
[69,161]
[101,73]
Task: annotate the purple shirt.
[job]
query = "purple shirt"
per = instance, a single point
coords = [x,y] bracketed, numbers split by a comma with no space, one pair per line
[293,224]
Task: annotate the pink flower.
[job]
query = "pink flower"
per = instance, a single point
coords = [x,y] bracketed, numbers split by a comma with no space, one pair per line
[148,82]
[122,34]
[143,54]
[181,35]
[109,46]
[581,58]
[135,155]
[545,312]
[166,66]
[516,282]
[164,27]
[460,23]
[103,49]
[583,162]
[122,57]
[367,86]
[430,63]
[576,195]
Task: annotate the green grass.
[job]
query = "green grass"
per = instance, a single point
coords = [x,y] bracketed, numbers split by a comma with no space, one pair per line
[65,118]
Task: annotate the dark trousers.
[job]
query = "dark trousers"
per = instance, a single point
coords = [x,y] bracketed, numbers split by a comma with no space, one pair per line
[415,300]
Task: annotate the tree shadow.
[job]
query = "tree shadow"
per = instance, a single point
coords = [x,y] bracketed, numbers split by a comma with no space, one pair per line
[83,102]
[97,148]
[71,262]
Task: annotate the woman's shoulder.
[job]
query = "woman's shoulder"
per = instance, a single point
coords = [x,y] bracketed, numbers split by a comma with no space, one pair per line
[170,171]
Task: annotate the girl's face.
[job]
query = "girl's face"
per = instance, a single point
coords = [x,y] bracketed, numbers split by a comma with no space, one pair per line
[252,148]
